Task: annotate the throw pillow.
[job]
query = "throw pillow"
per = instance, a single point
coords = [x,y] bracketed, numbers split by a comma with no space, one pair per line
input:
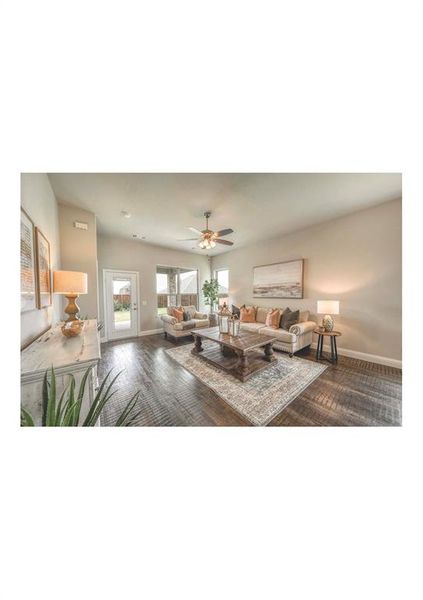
[189,313]
[236,311]
[178,314]
[248,314]
[261,314]
[304,316]
[289,318]
[272,318]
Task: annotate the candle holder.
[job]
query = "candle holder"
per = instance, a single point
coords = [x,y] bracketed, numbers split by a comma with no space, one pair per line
[234,326]
[224,316]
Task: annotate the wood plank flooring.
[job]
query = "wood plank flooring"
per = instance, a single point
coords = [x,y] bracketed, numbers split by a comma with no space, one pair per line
[351,393]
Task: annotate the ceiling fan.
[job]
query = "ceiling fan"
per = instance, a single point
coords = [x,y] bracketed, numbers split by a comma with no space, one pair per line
[208,238]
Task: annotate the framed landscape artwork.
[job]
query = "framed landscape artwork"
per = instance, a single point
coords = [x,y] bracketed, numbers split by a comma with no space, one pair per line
[43,269]
[280,280]
[28,275]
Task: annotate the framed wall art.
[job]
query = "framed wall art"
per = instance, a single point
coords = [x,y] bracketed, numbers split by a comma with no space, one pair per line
[28,267]
[279,280]
[43,270]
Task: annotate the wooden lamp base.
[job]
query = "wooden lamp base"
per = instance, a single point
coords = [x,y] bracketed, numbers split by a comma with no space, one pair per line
[73,325]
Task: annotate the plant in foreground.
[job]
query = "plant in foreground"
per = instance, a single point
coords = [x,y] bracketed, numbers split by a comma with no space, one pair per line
[66,412]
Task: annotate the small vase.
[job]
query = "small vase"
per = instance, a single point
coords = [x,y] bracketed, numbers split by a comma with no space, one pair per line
[328,323]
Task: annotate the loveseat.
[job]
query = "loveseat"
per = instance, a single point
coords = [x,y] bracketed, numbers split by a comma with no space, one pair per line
[177,329]
[298,336]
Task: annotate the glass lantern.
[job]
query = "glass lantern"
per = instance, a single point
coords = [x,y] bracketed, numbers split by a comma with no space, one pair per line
[234,326]
[224,317]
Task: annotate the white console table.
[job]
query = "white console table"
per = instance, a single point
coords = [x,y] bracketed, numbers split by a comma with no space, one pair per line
[66,355]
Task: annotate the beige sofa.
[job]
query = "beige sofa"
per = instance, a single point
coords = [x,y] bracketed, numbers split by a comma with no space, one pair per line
[176,330]
[299,335]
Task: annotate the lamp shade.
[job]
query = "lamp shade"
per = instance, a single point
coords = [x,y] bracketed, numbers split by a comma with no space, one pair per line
[69,282]
[328,307]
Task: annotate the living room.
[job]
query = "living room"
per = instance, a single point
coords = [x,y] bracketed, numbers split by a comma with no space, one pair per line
[306,271]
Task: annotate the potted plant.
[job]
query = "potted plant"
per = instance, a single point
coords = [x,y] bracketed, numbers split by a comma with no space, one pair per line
[211,298]
[66,410]
[211,293]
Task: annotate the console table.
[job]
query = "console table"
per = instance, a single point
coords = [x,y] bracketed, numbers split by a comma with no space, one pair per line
[66,355]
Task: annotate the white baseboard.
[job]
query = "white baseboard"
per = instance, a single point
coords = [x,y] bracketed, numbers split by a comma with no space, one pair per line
[374,358]
[151,331]
[141,333]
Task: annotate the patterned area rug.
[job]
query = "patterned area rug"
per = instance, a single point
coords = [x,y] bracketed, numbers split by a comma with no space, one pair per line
[265,394]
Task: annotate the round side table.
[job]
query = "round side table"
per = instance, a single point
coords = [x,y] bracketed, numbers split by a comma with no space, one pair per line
[333,349]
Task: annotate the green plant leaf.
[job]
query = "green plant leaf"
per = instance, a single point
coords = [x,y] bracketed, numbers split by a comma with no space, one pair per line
[66,413]
[96,400]
[45,400]
[126,413]
[99,401]
[60,409]
[69,416]
[51,403]
[26,419]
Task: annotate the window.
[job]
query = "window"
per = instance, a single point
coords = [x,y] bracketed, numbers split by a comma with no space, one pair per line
[176,287]
[222,276]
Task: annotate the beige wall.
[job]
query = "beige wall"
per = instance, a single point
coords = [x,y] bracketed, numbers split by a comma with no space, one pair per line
[38,200]
[354,259]
[128,255]
[78,250]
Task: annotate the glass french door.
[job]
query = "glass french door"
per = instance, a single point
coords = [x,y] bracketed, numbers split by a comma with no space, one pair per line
[121,304]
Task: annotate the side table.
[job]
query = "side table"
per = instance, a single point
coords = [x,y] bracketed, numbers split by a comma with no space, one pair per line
[333,349]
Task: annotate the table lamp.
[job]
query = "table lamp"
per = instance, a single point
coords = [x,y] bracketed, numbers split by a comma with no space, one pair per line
[328,308]
[71,284]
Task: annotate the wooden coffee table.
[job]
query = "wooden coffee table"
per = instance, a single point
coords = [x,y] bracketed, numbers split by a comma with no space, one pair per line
[242,356]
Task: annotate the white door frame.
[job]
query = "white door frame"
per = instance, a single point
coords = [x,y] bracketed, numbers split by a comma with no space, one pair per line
[123,271]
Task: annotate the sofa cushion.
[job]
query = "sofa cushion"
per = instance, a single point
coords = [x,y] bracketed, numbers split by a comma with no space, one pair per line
[184,325]
[201,322]
[179,314]
[261,314]
[304,316]
[236,311]
[272,318]
[248,314]
[281,334]
[189,313]
[289,318]
[253,327]
[200,315]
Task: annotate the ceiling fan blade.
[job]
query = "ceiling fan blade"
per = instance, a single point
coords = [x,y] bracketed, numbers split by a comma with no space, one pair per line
[195,230]
[188,240]
[224,232]
[226,242]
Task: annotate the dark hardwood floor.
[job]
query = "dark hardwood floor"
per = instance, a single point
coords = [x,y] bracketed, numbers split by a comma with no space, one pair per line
[351,393]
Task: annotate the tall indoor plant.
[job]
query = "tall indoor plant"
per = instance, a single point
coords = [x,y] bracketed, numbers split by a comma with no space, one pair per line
[211,293]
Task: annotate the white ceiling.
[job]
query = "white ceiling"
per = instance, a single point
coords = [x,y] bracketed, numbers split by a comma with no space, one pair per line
[255,206]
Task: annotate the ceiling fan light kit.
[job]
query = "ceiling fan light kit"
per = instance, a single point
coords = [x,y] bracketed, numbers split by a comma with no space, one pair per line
[209,238]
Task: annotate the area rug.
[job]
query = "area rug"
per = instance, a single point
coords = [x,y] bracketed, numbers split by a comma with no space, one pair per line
[264,395]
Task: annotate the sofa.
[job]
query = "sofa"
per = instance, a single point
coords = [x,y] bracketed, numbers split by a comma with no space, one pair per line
[297,337]
[175,329]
